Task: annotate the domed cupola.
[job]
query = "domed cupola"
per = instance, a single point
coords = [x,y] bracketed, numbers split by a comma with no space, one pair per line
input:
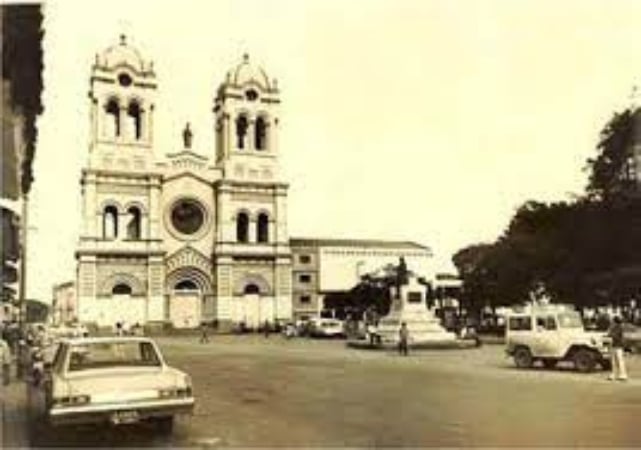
[123,56]
[247,73]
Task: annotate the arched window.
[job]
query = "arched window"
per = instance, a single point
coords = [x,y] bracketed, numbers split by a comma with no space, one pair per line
[110,223]
[113,118]
[134,114]
[241,130]
[251,289]
[121,289]
[262,228]
[242,227]
[133,226]
[186,285]
[260,132]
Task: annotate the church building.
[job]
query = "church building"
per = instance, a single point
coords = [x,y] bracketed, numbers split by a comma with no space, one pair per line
[185,238]
[189,238]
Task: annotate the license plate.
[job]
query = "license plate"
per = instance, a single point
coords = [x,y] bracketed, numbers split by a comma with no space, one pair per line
[124,417]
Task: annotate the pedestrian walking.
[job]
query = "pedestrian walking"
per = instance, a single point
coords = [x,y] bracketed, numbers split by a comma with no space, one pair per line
[204,333]
[266,328]
[617,362]
[403,339]
[5,359]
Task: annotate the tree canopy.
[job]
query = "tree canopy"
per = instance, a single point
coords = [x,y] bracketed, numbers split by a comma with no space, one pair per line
[584,250]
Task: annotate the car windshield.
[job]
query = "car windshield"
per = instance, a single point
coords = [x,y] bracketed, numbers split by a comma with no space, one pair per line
[570,320]
[98,355]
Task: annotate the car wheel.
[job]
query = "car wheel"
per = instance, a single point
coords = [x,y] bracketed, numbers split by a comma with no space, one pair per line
[549,363]
[523,358]
[165,424]
[584,360]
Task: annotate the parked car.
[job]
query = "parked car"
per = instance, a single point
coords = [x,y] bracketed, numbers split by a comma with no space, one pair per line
[632,338]
[327,328]
[113,380]
[550,334]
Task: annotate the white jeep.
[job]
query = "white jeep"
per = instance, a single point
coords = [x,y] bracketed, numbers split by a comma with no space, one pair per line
[553,333]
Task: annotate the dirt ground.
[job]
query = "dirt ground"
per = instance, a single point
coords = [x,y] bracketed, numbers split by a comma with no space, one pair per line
[252,391]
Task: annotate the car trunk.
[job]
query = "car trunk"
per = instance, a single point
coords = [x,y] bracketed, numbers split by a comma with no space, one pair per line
[119,384]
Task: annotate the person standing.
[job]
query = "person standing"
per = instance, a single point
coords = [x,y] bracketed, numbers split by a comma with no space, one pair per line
[266,328]
[204,333]
[618,363]
[403,339]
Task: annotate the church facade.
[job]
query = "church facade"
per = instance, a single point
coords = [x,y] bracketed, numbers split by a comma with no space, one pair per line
[186,238]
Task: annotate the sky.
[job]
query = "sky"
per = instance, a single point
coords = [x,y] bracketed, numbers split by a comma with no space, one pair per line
[421,120]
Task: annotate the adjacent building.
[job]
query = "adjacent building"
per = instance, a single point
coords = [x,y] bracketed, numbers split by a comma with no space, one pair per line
[21,104]
[325,266]
[64,307]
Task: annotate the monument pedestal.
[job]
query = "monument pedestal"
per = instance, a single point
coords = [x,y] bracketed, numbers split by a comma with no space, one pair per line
[410,307]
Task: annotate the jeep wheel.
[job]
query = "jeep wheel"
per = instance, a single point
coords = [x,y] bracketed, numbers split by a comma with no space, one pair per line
[584,360]
[523,358]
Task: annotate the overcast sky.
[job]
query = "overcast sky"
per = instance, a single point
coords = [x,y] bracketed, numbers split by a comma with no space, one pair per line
[422,120]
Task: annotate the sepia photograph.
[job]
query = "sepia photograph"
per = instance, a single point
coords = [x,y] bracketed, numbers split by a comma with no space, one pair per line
[320,224]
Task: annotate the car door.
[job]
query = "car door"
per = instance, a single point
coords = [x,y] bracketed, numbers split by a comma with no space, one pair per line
[547,335]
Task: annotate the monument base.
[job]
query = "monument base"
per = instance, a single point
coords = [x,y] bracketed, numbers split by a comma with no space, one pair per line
[409,307]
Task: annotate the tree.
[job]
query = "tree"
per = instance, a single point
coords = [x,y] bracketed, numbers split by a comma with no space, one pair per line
[611,172]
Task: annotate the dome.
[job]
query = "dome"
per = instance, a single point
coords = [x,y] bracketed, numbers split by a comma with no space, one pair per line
[121,54]
[246,72]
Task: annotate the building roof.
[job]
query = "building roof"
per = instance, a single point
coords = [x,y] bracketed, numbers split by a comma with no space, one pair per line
[331,242]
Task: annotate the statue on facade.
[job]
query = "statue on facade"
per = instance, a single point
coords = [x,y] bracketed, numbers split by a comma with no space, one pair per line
[187,136]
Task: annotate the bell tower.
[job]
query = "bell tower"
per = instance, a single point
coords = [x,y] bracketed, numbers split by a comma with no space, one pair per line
[247,119]
[120,258]
[252,258]
[122,93]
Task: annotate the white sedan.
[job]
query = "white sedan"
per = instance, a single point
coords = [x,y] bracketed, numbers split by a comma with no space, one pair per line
[113,380]
[327,328]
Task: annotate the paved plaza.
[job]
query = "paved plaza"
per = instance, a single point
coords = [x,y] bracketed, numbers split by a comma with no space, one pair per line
[253,391]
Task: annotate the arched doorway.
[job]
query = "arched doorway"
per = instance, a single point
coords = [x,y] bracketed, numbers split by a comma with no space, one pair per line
[253,303]
[185,304]
[251,306]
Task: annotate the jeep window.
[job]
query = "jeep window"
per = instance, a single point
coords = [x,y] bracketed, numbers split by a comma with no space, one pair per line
[545,323]
[570,320]
[523,323]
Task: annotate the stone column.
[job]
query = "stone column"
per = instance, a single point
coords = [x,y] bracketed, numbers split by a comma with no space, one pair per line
[124,126]
[86,288]
[156,290]
[154,211]
[280,229]
[283,288]
[149,128]
[224,289]
[91,210]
